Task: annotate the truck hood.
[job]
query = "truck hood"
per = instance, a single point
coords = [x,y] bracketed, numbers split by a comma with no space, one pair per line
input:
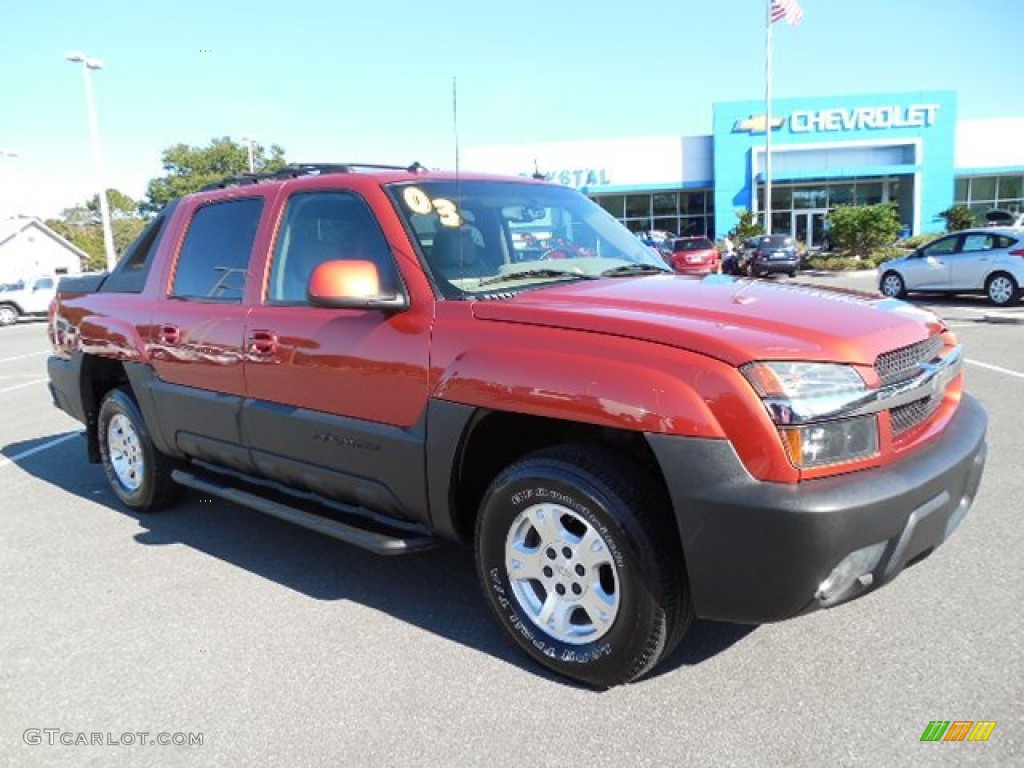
[736,320]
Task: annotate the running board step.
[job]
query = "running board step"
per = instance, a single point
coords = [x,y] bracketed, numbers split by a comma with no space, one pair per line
[381,541]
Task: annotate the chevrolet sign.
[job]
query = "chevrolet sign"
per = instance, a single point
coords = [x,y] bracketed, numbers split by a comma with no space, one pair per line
[859,118]
[756,124]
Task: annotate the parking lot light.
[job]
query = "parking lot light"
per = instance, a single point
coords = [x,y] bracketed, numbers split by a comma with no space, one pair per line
[87,63]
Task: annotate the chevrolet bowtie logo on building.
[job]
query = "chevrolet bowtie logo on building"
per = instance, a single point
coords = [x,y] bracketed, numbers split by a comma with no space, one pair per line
[757,124]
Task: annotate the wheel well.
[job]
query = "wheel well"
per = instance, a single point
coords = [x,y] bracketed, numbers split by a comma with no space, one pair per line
[12,305]
[1003,273]
[99,376]
[495,440]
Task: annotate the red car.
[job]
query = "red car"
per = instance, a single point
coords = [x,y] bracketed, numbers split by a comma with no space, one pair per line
[694,256]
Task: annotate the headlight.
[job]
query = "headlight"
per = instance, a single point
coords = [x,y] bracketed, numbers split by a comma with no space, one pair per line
[808,402]
[831,442]
[799,392]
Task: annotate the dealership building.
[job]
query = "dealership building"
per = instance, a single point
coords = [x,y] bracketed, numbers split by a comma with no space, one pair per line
[908,149]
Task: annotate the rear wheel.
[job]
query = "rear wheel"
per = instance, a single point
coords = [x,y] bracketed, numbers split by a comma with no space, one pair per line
[138,473]
[581,565]
[892,285]
[8,314]
[1001,289]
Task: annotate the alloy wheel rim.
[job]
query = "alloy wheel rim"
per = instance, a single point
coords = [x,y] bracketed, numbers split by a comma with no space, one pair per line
[562,574]
[891,286]
[999,290]
[125,451]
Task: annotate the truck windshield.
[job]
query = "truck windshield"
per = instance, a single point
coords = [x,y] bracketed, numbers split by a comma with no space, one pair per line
[486,236]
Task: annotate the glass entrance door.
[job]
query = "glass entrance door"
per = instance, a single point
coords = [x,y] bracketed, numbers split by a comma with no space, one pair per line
[809,226]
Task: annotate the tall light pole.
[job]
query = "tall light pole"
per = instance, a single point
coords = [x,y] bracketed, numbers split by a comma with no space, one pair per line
[108,235]
[251,142]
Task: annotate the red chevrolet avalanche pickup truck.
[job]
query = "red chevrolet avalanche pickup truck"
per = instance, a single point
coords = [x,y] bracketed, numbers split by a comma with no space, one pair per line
[392,356]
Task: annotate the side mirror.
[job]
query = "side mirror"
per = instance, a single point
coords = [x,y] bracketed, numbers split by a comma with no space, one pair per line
[351,285]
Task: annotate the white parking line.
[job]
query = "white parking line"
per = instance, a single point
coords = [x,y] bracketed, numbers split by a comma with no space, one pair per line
[996,368]
[22,357]
[45,446]
[26,384]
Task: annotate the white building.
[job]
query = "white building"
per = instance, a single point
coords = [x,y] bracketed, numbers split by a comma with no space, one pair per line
[29,248]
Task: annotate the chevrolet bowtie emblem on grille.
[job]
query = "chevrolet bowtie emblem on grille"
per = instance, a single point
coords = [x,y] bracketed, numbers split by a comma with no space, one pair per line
[756,124]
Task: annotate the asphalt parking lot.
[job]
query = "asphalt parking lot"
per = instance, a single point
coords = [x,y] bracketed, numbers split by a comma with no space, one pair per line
[281,647]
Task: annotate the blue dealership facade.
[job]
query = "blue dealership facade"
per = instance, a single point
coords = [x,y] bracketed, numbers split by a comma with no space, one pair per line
[909,149]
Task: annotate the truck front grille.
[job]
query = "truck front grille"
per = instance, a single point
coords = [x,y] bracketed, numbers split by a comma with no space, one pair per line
[904,363]
[907,416]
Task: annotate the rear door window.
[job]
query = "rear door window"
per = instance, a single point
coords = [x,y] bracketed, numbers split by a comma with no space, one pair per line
[214,258]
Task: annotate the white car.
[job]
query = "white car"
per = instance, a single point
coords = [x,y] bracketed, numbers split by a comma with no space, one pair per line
[989,261]
[26,298]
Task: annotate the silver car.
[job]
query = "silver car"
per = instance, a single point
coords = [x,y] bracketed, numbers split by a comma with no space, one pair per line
[989,261]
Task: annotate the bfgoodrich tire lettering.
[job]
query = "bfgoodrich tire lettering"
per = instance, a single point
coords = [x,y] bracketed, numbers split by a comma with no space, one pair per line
[138,473]
[581,565]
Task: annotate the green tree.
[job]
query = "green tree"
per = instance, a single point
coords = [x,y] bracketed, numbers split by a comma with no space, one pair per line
[81,226]
[957,217]
[189,169]
[120,205]
[860,230]
[748,226]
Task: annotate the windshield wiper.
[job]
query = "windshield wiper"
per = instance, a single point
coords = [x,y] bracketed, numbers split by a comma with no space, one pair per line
[636,269]
[537,273]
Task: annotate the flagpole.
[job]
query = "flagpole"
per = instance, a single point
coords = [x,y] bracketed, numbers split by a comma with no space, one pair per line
[767,120]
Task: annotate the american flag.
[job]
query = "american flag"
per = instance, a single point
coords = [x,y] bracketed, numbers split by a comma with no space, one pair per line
[789,10]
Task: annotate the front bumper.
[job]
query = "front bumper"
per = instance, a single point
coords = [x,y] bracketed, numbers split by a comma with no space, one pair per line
[758,552]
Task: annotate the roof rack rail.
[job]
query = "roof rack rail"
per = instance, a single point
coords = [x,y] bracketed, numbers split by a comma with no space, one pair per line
[295,170]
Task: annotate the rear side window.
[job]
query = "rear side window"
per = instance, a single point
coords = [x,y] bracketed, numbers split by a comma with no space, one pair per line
[129,276]
[693,244]
[214,258]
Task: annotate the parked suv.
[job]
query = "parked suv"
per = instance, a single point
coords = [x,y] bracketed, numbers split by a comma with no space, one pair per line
[363,350]
[693,256]
[26,298]
[768,254]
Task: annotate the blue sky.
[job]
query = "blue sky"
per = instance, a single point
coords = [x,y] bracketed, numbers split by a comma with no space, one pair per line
[368,81]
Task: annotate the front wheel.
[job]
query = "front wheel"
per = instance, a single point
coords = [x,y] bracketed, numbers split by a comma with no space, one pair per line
[581,565]
[138,473]
[8,314]
[892,285]
[1002,290]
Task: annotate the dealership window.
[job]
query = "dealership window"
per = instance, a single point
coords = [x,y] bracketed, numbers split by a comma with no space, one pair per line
[984,193]
[666,204]
[614,204]
[684,212]
[638,206]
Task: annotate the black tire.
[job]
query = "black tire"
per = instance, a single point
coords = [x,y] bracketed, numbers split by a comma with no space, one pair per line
[631,572]
[138,473]
[892,285]
[1001,289]
[8,314]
